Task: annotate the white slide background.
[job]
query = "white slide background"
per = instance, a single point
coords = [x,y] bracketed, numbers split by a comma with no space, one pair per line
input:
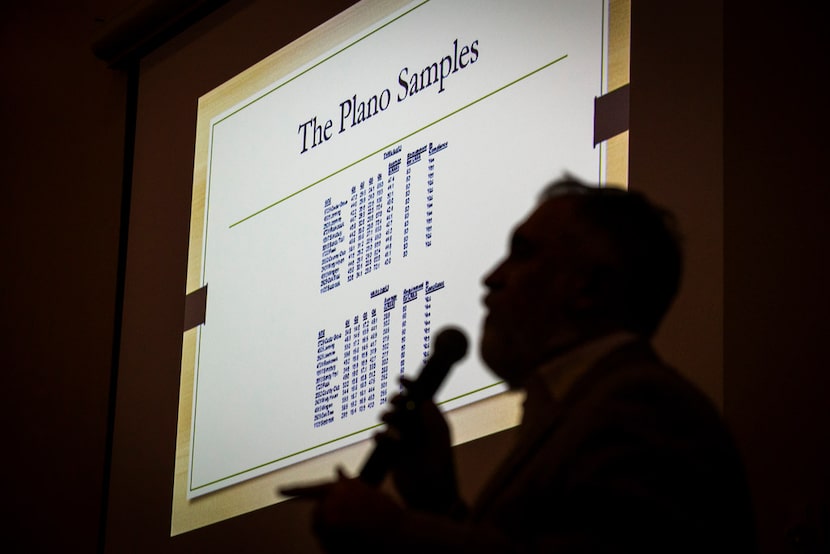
[278,352]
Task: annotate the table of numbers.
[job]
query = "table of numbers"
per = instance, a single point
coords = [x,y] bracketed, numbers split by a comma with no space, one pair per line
[365,227]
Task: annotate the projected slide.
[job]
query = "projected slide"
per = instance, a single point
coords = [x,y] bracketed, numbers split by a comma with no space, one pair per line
[351,209]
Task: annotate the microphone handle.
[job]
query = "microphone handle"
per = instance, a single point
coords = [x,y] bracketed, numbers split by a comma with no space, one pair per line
[450,346]
[377,465]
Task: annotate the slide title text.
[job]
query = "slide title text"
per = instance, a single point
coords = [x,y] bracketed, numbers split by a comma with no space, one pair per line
[355,110]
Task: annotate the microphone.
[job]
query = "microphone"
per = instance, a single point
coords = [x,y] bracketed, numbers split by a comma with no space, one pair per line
[449,346]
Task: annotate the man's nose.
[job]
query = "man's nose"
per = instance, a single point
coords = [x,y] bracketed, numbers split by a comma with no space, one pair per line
[494,278]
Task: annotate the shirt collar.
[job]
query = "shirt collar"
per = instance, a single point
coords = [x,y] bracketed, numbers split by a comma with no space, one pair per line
[560,373]
[554,378]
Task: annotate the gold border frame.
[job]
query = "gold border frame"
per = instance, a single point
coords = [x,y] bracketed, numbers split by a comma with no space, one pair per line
[619,56]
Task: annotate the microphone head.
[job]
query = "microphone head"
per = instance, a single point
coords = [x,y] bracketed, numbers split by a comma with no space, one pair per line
[450,344]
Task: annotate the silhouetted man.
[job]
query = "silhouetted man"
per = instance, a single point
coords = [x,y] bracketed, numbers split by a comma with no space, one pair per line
[616,452]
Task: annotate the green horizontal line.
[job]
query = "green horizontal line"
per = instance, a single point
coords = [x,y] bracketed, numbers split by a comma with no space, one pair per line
[310,448]
[401,139]
[321,62]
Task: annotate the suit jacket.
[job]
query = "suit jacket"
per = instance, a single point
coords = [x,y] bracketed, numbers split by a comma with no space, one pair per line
[632,459]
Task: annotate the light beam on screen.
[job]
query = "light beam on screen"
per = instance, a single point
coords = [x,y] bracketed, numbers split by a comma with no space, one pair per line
[349,193]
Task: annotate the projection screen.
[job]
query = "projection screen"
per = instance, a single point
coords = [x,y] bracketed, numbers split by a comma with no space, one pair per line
[349,193]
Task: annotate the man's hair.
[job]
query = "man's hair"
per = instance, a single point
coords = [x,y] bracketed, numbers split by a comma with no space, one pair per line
[645,268]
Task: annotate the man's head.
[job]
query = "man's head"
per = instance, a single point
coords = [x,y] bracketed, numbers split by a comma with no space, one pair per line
[588,261]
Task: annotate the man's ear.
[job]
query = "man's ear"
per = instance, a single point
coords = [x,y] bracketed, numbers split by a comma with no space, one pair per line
[592,291]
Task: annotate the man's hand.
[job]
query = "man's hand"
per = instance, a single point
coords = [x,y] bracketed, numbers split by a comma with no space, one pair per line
[424,471]
[351,516]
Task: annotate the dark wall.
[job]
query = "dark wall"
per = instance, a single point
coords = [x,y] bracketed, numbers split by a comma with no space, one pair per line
[777,382]
[64,117]
[63,130]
